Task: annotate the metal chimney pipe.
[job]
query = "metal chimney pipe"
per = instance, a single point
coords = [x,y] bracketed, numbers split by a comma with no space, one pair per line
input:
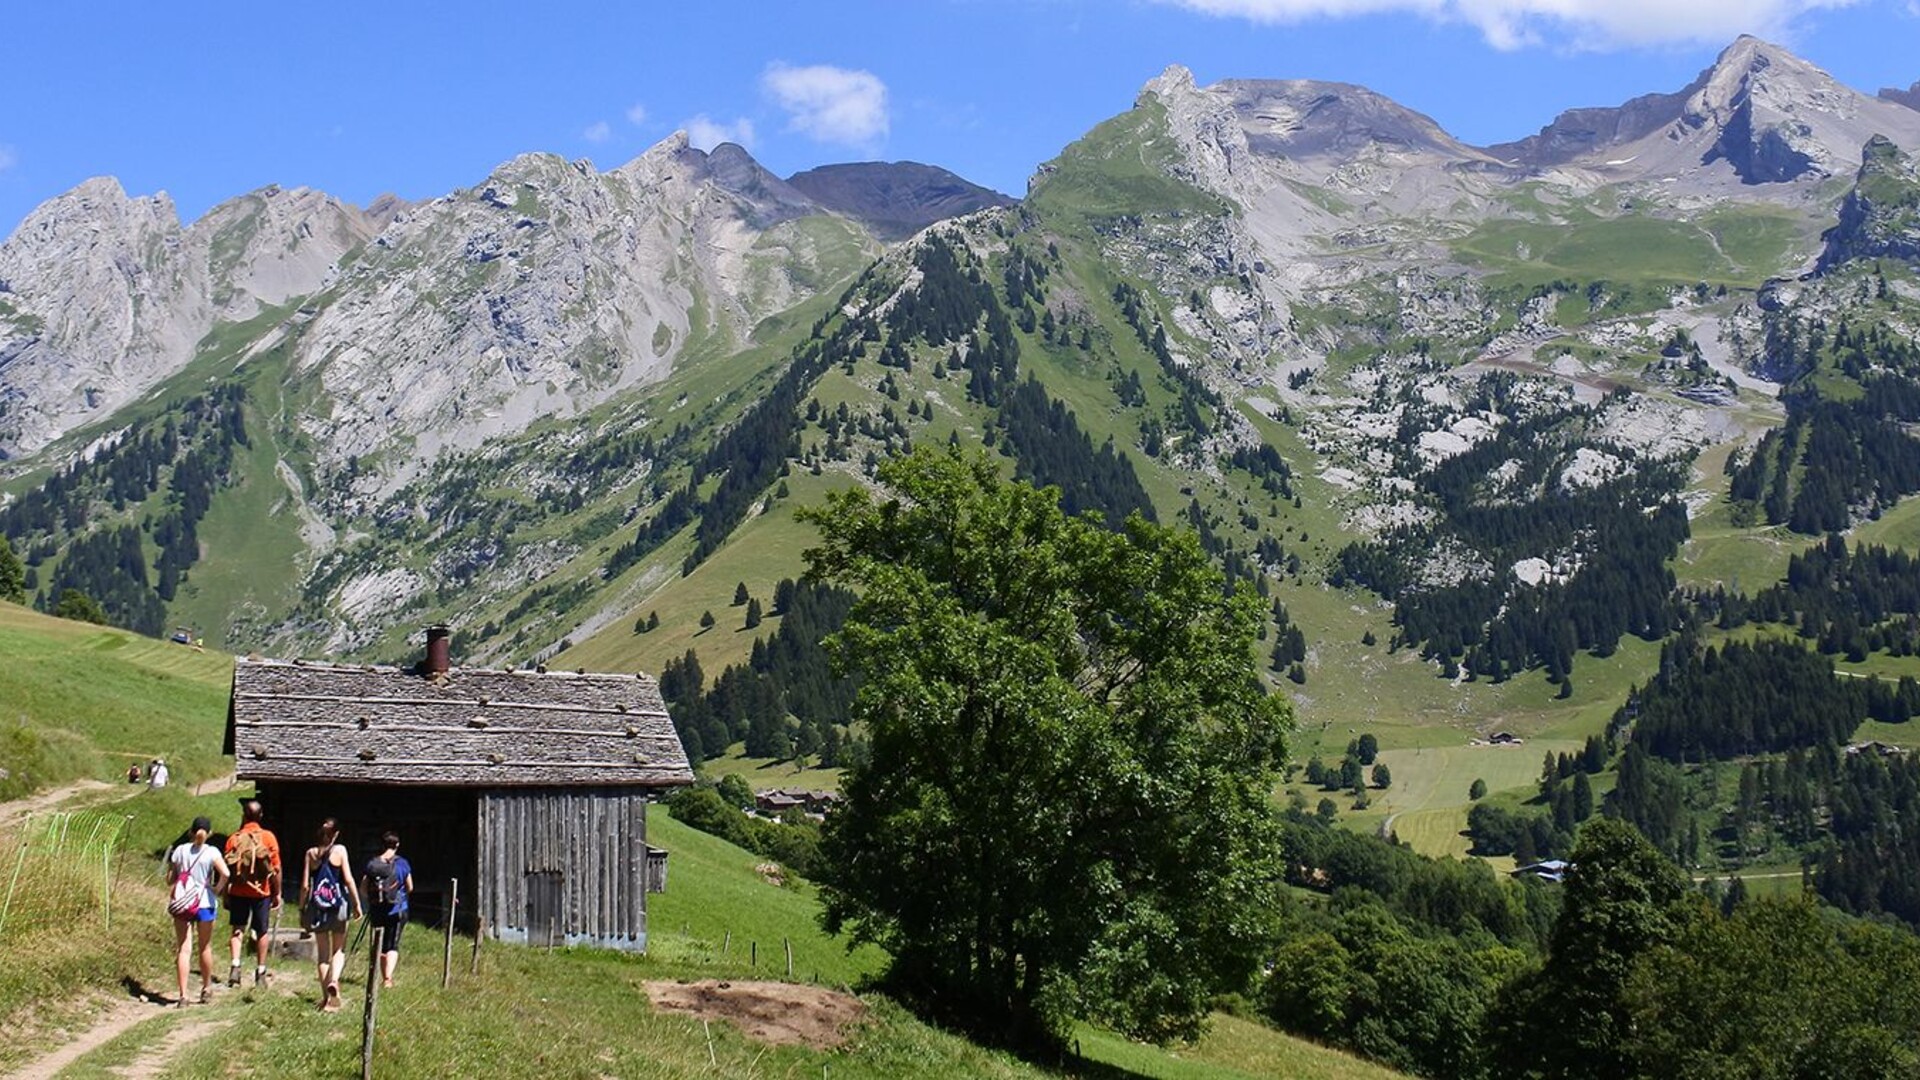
[438,661]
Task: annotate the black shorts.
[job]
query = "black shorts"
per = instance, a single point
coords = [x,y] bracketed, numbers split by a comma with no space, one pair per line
[392,925]
[242,910]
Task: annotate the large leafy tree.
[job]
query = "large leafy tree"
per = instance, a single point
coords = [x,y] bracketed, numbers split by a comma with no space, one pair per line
[1571,1020]
[1779,990]
[1065,808]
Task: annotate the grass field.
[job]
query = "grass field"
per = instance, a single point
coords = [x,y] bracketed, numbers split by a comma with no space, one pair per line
[79,701]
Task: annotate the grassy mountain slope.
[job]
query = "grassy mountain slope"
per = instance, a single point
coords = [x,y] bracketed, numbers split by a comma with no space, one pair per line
[100,694]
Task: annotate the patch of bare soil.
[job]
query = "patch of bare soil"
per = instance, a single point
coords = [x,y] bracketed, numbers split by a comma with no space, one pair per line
[780,1014]
[12,813]
[104,1028]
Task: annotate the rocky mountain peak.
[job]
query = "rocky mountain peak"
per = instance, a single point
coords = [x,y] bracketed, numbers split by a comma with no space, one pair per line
[1910,97]
[1306,118]
[894,199]
[766,200]
[1173,82]
[1759,111]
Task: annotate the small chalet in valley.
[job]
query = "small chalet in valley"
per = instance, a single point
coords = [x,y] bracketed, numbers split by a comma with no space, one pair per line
[530,787]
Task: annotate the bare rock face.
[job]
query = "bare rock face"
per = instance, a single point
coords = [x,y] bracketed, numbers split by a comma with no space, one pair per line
[1761,113]
[1910,97]
[103,295]
[1880,218]
[544,290]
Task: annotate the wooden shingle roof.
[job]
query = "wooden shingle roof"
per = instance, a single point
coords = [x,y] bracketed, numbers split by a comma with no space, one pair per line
[301,720]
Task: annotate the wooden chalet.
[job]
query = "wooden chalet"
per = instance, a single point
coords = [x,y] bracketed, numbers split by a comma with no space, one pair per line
[530,787]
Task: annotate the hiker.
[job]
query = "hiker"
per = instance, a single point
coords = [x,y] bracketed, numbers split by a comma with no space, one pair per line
[253,893]
[156,775]
[389,885]
[196,873]
[133,773]
[328,901]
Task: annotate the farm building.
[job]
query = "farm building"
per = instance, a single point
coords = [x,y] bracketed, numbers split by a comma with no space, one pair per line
[530,787]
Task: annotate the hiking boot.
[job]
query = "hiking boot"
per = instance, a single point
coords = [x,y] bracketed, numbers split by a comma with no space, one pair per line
[233,975]
[261,976]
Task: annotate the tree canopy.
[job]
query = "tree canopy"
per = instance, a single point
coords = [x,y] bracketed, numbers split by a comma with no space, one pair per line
[1065,807]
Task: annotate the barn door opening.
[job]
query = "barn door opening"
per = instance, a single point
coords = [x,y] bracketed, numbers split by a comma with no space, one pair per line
[543,908]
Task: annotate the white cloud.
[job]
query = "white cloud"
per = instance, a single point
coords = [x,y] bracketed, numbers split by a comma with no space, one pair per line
[7,158]
[636,114]
[1512,24]
[597,132]
[705,133]
[830,104]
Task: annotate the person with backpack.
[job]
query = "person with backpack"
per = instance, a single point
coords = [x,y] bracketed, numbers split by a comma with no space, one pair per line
[389,885]
[329,899]
[253,891]
[196,873]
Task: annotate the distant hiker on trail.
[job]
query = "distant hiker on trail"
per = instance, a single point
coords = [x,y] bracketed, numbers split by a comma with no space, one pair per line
[328,900]
[156,775]
[133,773]
[196,874]
[253,856]
[389,884]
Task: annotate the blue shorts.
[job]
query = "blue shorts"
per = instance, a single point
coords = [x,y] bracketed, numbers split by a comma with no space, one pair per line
[205,914]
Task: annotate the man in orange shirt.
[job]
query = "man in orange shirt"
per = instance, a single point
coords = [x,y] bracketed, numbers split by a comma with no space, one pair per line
[253,854]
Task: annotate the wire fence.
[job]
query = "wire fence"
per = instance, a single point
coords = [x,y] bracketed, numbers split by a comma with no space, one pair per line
[60,871]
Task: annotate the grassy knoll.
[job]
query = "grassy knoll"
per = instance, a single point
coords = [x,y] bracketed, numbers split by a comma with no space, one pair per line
[1234,1048]
[717,906]
[764,773]
[82,701]
[1739,247]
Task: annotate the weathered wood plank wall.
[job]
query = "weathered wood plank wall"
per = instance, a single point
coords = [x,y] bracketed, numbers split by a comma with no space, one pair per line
[595,839]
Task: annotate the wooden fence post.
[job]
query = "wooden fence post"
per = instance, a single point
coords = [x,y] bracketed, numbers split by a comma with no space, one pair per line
[753,956]
[553,927]
[788,942]
[479,931]
[373,998]
[446,961]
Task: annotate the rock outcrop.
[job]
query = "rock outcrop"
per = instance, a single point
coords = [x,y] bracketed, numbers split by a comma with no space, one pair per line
[1880,218]
[103,295]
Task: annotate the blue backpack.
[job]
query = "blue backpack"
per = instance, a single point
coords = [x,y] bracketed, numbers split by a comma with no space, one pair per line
[327,902]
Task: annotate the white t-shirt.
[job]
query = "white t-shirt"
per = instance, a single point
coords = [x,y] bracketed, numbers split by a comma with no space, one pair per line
[158,778]
[197,864]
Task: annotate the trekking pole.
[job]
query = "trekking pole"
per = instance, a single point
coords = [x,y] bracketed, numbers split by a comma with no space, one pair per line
[446,959]
[274,904]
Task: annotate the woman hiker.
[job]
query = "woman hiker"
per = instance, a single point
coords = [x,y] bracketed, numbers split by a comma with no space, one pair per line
[389,885]
[197,873]
[328,900]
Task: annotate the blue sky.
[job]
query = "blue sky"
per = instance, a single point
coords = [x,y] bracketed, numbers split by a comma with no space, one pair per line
[418,99]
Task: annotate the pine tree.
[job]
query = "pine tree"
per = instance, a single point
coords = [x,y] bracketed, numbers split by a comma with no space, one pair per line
[753,613]
[706,620]
[739,594]
[13,577]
